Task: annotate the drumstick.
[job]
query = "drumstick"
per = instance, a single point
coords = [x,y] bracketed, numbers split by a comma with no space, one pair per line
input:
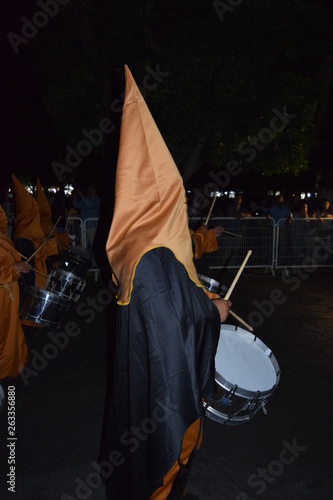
[32,269]
[232,234]
[249,327]
[66,225]
[37,250]
[55,225]
[45,241]
[233,284]
[211,208]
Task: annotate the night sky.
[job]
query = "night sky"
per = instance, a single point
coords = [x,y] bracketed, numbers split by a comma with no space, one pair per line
[26,130]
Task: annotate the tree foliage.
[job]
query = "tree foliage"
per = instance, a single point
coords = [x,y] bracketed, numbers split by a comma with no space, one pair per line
[230,69]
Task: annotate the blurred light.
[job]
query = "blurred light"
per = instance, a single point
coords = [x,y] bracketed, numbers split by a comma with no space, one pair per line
[302,196]
[68,189]
[232,194]
[277,193]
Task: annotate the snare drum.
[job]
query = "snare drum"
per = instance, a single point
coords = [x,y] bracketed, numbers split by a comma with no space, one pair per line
[247,373]
[43,307]
[212,285]
[65,284]
[75,261]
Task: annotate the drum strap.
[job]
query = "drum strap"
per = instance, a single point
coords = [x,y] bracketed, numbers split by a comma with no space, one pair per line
[8,285]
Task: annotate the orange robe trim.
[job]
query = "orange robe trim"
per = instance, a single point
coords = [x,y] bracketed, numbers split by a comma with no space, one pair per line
[191,442]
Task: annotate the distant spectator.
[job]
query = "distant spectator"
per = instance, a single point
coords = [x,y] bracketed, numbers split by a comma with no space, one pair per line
[237,209]
[279,210]
[255,210]
[324,211]
[302,211]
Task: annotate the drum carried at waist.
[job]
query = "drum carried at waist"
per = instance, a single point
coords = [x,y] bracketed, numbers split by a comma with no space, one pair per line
[247,374]
[65,284]
[212,285]
[75,261]
[43,307]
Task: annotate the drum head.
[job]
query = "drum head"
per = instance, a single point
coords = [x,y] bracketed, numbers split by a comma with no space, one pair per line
[243,360]
[246,375]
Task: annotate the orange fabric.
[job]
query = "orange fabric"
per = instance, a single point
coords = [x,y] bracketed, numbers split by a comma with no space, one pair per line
[27,225]
[63,241]
[150,203]
[13,348]
[205,241]
[44,209]
[27,220]
[45,213]
[192,439]
[3,221]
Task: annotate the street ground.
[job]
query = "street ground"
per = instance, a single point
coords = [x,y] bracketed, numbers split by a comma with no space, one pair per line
[285,454]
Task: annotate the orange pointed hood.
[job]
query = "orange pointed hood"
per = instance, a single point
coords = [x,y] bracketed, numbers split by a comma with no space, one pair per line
[3,221]
[45,212]
[150,202]
[27,219]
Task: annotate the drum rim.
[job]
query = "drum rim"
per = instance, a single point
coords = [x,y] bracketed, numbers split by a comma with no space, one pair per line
[68,273]
[209,280]
[38,319]
[242,391]
[44,291]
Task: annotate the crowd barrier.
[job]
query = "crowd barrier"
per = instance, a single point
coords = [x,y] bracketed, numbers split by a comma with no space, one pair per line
[287,244]
[304,243]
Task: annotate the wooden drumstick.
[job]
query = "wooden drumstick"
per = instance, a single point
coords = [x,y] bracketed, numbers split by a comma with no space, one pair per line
[45,241]
[211,208]
[32,269]
[37,250]
[55,225]
[249,327]
[232,234]
[233,284]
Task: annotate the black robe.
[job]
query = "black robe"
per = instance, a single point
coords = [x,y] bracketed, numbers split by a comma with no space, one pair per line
[164,365]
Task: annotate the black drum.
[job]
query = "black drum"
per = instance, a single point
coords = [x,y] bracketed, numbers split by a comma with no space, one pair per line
[75,261]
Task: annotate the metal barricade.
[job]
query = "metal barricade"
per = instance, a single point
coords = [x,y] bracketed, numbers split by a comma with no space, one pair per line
[253,233]
[304,243]
[74,229]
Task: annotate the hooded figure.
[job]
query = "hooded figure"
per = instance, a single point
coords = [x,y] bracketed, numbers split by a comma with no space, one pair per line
[28,234]
[46,222]
[167,328]
[13,348]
